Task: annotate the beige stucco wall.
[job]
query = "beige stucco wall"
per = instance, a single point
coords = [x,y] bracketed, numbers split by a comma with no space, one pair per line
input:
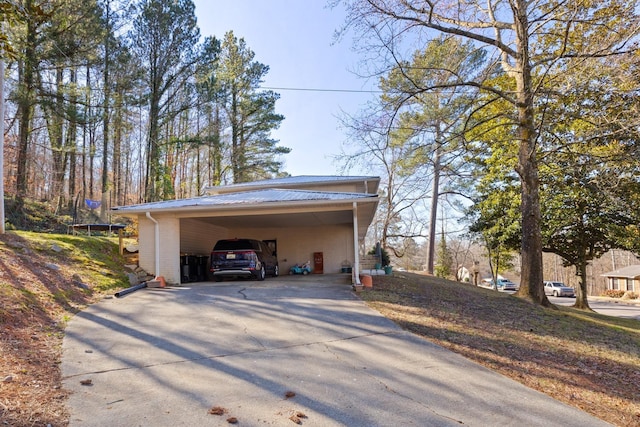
[196,237]
[169,247]
[350,187]
[147,239]
[298,244]
[357,186]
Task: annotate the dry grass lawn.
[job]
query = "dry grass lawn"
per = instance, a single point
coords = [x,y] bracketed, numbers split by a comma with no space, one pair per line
[44,280]
[583,359]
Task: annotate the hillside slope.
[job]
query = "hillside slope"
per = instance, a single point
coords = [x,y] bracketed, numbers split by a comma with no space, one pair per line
[44,280]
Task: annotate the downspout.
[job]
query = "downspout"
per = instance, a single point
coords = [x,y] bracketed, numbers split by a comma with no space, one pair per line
[356,255]
[157,243]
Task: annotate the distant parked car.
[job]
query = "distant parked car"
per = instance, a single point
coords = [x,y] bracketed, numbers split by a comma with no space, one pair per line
[243,258]
[558,289]
[502,284]
[507,285]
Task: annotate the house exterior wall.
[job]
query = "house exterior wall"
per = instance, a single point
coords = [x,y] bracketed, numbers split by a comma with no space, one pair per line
[296,245]
[366,185]
[197,237]
[623,283]
[349,187]
[169,266]
[147,243]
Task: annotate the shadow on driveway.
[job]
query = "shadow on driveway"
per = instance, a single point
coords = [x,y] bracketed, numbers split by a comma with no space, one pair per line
[268,352]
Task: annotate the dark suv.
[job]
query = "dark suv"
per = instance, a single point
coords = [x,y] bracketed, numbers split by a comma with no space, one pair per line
[243,257]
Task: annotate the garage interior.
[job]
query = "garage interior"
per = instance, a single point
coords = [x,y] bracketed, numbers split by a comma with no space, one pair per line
[302,224]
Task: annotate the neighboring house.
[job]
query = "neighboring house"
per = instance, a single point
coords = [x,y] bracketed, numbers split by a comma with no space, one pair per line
[300,216]
[625,279]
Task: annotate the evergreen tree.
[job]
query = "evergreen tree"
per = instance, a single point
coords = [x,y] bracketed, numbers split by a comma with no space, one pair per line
[165,37]
[251,112]
[444,267]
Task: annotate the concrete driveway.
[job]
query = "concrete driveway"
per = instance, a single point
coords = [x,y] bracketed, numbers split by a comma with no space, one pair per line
[300,349]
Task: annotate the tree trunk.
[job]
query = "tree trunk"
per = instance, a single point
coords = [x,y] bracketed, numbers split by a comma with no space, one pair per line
[531,285]
[26,102]
[435,193]
[106,110]
[581,291]
[235,143]
[153,153]
[217,149]
[117,151]
[55,126]
[72,134]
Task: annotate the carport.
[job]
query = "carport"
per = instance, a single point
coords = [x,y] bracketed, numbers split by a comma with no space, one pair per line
[302,217]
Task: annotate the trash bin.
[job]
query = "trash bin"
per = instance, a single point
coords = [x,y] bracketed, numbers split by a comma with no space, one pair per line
[201,268]
[185,271]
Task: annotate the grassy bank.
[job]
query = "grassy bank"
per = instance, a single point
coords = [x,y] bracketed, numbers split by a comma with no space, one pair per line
[584,359]
[44,280]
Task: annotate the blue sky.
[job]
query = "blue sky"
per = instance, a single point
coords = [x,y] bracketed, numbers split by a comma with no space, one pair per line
[295,39]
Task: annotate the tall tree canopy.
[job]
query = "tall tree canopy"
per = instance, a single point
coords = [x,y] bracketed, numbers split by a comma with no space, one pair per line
[132,109]
[251,112]
[532,42]
[430,123]
[165,36]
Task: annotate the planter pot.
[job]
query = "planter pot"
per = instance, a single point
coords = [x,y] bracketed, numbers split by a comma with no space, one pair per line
[388,270]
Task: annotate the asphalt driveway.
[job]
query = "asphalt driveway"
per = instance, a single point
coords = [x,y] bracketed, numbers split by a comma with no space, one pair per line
[298,349]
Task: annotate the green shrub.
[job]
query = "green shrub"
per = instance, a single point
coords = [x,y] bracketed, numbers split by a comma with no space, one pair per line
[385,256]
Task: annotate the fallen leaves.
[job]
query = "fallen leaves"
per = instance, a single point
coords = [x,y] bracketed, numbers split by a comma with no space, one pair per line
[217,410]
[297,417]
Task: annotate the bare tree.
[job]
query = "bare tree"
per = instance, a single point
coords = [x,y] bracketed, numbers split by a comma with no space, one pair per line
[529,40]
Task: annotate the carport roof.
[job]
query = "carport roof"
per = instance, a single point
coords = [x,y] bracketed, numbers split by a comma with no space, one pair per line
[247,198]
[268,208]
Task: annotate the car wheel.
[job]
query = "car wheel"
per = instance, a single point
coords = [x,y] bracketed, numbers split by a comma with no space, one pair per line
[555,293]
[262,273]
[217,278]
[276,271]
